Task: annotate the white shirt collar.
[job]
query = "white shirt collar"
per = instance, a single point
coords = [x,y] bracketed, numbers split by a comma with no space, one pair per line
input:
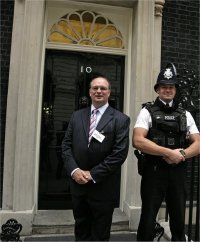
[102,109]
[170,103]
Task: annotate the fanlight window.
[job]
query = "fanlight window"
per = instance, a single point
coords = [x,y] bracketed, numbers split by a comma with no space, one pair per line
[86,28]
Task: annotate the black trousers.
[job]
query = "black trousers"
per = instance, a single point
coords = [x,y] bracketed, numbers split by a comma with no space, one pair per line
[93,218]
[159,182]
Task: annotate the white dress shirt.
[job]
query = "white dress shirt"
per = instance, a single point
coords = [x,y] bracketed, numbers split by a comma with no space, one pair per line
[100,112]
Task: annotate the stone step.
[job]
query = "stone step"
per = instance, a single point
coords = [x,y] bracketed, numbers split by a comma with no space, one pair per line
[69,229]
[62,222]
[115,236]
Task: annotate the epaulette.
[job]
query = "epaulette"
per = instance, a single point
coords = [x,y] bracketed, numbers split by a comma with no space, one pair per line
[180,109]
[150,107]
[147,104]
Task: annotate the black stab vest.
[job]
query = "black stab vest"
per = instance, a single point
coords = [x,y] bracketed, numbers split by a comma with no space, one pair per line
[169,125]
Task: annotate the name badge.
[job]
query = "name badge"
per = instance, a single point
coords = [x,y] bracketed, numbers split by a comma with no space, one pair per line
[98,136]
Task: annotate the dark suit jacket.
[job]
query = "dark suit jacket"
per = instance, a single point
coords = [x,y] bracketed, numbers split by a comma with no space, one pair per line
[103,160]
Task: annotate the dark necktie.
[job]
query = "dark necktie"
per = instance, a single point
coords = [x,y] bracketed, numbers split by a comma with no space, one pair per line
[93,120]
[167,105]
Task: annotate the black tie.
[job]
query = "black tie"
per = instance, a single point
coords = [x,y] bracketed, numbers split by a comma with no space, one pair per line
[167,105]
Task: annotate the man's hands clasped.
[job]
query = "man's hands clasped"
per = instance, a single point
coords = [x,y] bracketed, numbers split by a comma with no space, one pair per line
[81,177]
[174,157]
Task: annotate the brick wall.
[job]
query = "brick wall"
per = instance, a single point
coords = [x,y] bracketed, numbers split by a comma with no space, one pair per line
[180,45]
[180,33]
[7,9]
[180,38]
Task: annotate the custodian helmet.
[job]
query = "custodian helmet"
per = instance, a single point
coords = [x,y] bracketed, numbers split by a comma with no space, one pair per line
[167,76]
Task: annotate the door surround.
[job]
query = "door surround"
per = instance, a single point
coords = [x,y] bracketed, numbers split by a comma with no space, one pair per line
[121,17]
[21,153]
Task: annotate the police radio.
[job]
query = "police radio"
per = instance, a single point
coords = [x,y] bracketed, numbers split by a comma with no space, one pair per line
[183,123]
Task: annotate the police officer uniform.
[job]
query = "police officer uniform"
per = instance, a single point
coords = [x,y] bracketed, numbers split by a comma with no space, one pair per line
[168,127]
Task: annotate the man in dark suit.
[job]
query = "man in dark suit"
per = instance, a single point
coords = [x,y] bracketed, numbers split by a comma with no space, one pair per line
[93,162]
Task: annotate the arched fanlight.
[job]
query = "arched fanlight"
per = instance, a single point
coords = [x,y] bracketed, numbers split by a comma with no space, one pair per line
[86,28]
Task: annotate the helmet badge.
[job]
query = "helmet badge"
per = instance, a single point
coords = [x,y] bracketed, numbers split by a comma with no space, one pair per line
[168,74]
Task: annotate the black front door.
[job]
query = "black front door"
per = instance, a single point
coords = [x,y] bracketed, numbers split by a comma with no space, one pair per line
[66,89]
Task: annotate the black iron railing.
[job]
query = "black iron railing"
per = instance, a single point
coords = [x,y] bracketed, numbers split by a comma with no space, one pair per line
[10,231]
[192,226]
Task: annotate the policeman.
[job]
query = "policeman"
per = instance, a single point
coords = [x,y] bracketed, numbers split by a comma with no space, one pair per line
[168,135]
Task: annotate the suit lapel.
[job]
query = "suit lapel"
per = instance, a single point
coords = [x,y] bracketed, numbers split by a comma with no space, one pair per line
[106,117]
[86,120]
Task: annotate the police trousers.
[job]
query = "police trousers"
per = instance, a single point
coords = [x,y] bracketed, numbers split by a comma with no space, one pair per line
[161,182]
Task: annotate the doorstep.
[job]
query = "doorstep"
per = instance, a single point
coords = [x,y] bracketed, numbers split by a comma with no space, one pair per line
[62,222]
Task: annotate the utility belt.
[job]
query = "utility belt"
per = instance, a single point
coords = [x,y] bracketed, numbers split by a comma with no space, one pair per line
[145,160]
[158,161]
